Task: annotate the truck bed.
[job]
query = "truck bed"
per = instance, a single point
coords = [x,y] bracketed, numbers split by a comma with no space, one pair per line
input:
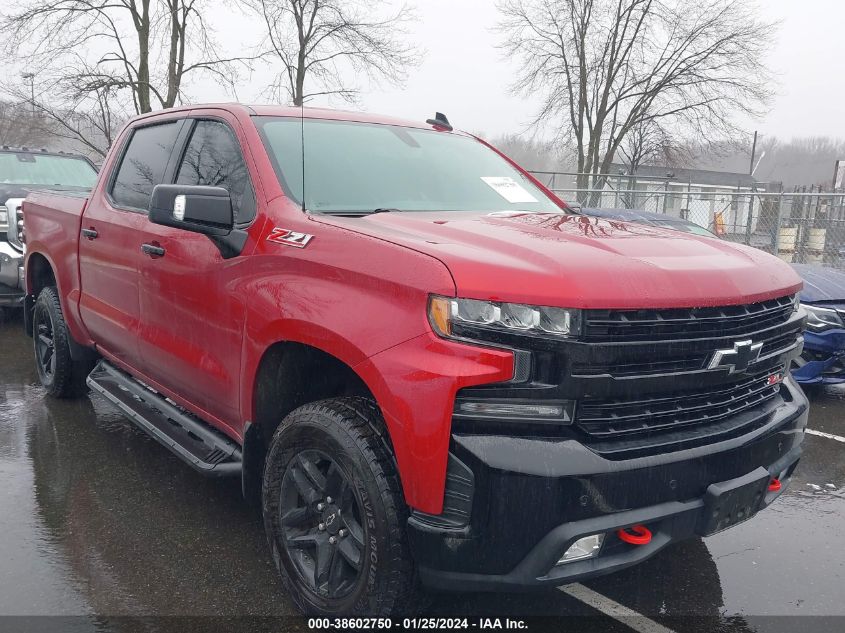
[52,222]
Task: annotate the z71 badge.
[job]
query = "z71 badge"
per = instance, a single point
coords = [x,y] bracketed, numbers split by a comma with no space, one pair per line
[289,238]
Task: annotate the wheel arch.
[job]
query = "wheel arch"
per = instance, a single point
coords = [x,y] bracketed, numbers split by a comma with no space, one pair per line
[38,274]
[290,374]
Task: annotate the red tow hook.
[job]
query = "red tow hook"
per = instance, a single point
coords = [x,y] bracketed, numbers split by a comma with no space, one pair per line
[774,484]
[635,535]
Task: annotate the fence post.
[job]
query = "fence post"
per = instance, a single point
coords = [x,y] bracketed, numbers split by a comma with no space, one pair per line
[799,234]
[616,194]
[778,223]
[749,218]
[665,194]
[735,209]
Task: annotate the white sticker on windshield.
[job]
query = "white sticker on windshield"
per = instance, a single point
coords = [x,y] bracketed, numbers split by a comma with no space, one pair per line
[509,189]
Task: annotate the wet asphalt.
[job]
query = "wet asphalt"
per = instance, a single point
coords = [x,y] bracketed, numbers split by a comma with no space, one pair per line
[101,526]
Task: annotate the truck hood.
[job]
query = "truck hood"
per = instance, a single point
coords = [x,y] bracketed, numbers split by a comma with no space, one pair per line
[572,260]
[821,283]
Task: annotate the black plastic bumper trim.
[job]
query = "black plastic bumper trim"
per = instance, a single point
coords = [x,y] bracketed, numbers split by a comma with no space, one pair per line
[669,522]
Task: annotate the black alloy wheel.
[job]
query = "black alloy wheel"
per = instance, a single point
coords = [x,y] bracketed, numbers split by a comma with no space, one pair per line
[45,345]
[61,375]
[321,524]
[334,512]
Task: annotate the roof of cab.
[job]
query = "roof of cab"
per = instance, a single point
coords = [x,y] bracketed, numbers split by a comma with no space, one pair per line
[293,111]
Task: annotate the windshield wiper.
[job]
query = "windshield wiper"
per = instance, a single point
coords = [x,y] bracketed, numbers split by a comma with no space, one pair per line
[360,213]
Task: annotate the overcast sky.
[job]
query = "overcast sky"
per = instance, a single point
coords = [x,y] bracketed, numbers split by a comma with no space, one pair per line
[465,76]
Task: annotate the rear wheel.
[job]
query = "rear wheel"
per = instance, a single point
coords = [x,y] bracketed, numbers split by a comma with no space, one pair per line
[61,376]
[333,511]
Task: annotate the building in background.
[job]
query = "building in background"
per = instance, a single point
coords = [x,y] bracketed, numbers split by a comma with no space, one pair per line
[712,199]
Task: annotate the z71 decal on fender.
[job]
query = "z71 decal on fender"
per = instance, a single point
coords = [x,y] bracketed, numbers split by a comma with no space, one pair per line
[289,238]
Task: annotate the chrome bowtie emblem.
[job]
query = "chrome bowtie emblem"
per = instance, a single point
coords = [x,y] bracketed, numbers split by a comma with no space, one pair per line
[330,519]
[743,354]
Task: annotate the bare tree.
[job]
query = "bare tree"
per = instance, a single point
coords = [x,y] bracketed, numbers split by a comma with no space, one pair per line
[19,125]
[534,154]
[649,143]
[322,44]
[802,161]
[95,59]
[608,67]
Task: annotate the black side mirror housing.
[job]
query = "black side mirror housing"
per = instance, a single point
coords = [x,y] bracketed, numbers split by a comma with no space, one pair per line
[205,210]
[199,209]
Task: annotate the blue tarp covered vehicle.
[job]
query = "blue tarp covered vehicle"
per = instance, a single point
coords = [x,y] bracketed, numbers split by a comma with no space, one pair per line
[823,359]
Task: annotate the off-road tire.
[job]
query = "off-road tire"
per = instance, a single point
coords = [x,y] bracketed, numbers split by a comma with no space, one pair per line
[67,378]
[350,431]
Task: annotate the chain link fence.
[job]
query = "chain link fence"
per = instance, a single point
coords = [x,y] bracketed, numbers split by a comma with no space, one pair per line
[798,226]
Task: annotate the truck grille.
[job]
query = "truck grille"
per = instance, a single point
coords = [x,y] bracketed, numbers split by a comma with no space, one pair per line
[15,219]
[610,419]
[687,323]
[643,361]
[642,381]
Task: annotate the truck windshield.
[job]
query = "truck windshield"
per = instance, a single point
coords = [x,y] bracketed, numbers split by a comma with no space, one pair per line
[363,167]
[26,168]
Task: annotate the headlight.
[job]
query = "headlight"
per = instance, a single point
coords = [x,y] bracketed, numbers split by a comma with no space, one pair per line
[820,319]
[460,317]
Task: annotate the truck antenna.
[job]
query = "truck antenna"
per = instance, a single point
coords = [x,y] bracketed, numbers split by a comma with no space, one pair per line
[302,141]
[440,121]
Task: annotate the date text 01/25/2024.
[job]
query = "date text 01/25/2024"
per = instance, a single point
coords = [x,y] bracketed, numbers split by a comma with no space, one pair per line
[435,624]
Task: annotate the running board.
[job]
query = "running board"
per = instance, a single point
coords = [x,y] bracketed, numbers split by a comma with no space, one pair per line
[192,440]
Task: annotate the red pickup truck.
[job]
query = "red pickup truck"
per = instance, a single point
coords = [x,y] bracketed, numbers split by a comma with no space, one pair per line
[421,363]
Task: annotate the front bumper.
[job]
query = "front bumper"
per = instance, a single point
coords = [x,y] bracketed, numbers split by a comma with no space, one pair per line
[11,276]
[823,358]
[532,498]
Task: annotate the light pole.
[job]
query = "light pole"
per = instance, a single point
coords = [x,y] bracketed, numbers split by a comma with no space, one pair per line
[30,77]
[753,154]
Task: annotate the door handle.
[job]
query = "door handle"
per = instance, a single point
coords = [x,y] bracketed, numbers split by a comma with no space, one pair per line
[152,250]
[91,234]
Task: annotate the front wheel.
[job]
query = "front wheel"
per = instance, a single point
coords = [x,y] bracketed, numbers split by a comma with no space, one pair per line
[61,376]
[334,513]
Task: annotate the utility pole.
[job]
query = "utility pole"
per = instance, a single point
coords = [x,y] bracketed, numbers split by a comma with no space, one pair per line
[753,154]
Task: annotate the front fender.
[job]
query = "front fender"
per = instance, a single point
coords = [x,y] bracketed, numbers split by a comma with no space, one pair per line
[415,385]
[359,298]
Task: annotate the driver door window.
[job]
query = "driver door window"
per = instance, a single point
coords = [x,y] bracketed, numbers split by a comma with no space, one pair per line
[213,158]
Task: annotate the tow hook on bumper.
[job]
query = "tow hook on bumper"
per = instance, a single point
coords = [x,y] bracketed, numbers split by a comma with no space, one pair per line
[635,535]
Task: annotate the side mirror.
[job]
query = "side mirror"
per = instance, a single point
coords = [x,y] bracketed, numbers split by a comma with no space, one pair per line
[205,210]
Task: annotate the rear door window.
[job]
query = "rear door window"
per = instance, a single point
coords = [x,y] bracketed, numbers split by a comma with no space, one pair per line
[213,158]
[143,165]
